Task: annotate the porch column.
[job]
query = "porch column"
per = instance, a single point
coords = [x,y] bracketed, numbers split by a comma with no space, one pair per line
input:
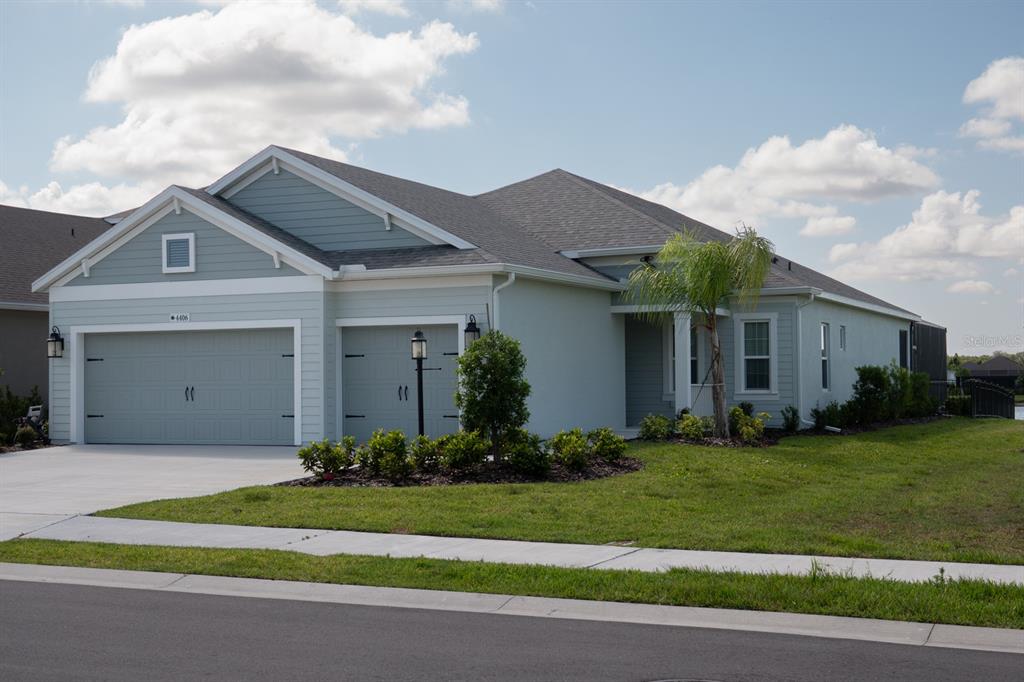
[682,368]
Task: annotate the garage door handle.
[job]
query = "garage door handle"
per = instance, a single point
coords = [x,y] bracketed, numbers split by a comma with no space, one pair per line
[355,416]
[407,393]
[399,391]
[94,416]
[288,416]
[192,394]
[450,416]
[186,394]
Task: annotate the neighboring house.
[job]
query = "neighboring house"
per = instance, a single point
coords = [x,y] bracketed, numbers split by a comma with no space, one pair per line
[32,242]
[998,369]
[277,304]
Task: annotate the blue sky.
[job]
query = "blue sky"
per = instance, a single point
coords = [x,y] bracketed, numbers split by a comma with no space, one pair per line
[882,180]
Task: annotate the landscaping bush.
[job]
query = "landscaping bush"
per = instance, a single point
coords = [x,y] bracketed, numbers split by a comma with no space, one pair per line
[747,407]
[425,453]
[525,453]
[898,399]
[386,453]
[921,402]
[790,419]
[492,391]
[750,429]
[326,459]
[606,444]
[25,436]
[830,415]
[570,449]
[691,427]
[958,404]
[871,394]
[655,427]
[13,407]
[465,449]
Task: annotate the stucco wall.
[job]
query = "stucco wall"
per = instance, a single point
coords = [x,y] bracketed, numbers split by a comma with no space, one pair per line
[575,352]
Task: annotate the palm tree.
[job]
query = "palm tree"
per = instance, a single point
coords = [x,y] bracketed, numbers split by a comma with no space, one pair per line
[697,278]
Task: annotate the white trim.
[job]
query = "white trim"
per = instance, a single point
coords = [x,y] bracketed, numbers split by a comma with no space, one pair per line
[843,300]
[436,282]
[14,305]
[76,339]
[739,388]
[683,396]
[207,287]
[190,237]
[482,268]
[158,207]
[346,190]
[612,251]
[825,354]
[340,323]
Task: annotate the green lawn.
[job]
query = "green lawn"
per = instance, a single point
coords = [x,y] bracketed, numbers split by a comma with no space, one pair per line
[949,490]
[956,602]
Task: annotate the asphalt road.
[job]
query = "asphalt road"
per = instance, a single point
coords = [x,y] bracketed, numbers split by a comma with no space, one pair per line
[60,632]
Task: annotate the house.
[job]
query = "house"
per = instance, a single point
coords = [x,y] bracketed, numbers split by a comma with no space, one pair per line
[999,369]
[31,242]
[276,305]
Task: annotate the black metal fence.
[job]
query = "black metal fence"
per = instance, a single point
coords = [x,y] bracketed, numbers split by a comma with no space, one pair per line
[988,399]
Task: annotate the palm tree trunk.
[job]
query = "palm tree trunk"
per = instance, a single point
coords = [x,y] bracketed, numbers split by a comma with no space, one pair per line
[717,379]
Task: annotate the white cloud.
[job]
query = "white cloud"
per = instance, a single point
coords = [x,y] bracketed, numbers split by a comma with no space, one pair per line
[392,8]
[202,92]
[93,198]
[1010,272]
[779,180]
[943,237]
[970,286]
[1001,90]
[476,5]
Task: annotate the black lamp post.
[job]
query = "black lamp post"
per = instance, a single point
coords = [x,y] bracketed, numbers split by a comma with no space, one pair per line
[55,344]
[419,354]
[472,332]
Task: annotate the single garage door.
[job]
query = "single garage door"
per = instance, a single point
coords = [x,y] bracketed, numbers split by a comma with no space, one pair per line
[203,387]
[379,380]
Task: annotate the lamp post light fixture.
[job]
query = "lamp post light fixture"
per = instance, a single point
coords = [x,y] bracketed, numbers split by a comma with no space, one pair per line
[55,344]
[472,332]
[419,354]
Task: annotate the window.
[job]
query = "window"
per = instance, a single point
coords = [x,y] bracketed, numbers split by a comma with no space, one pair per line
[842,337]
[903,347]
[756,356]
[179,252]
[824,355]
[695,378]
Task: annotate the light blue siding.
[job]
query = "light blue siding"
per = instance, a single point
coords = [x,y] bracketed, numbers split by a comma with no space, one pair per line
[319,217]
[575,354]
[219,255]
[645,373]
[307,307]
[389,303]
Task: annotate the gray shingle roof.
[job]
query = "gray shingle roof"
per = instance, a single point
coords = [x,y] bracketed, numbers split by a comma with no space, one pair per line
[571,212]
[32,242]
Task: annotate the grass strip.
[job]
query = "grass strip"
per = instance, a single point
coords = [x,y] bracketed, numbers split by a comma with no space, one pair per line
[959,602]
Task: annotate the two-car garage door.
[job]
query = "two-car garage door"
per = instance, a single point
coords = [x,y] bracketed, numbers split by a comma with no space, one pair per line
[231,387]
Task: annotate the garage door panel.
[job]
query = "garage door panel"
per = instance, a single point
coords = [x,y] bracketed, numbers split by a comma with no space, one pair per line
[241,385]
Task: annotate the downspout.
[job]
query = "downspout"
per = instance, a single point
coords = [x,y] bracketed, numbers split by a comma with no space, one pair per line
[799,360]
[494,297]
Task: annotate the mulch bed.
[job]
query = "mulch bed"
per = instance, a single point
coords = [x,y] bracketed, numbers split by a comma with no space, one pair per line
[486,473]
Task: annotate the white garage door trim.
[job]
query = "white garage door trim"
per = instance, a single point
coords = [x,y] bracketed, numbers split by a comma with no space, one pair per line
[458,320]
[76,338]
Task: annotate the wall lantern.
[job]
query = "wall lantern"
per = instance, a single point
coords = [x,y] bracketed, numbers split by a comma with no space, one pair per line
[419,346]
[472,332]
[55,344]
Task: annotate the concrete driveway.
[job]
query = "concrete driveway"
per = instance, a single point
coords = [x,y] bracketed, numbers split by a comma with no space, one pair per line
[41,487]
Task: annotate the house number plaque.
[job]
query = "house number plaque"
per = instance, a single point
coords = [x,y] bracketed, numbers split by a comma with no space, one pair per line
[180,317]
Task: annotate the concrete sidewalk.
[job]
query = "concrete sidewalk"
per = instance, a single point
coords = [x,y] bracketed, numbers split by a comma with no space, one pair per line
[895,632]
[609,557]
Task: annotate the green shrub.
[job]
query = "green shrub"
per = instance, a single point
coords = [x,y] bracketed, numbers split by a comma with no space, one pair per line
[324,458]
[736,413]
[13,407]
[570,449]
[958,404]
[921,402]
[747,407]
[830,415]
[790,419]
[871,394]
[25,436]
[655,427]
[750,429]
[691,427]
[386,453]
[525,453]
[464,450]
[425,453]
[492,391]
[898,398]
[606,444]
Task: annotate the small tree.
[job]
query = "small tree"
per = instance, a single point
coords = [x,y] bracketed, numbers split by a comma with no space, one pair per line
[492,391]
[698,277]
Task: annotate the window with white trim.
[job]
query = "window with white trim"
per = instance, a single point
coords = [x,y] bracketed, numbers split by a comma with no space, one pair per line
[179,252]
[842,337]
[756,355]
[694,365]
[825,342]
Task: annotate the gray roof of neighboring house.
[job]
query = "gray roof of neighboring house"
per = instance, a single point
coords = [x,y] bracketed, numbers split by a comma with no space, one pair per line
[571,213]
[32,242]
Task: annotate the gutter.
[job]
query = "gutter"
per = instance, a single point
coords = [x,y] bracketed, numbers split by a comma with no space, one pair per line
[494,296]
[361,273]
[14,305]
